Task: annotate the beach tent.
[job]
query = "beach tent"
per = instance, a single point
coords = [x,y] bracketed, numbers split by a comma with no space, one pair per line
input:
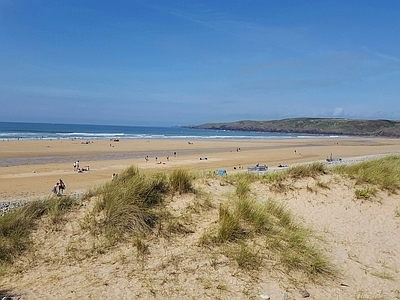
[221,172]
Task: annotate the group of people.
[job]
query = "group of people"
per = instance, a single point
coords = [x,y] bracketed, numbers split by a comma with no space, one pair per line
[146,158]
[78,169]
[59,187]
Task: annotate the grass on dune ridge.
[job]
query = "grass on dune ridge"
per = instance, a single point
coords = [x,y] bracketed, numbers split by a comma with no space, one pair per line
[383,172]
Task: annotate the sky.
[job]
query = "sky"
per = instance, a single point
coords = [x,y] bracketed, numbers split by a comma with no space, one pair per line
[184,62]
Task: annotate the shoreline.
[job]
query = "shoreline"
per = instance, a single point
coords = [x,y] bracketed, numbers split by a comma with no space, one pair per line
[37,165]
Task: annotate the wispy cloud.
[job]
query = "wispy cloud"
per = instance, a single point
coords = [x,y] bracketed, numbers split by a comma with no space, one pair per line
[381,55]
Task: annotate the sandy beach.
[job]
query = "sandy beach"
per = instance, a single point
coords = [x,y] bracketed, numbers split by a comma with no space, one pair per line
[30,168]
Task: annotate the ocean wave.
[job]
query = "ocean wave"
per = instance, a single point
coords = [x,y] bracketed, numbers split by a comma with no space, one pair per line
[34,131]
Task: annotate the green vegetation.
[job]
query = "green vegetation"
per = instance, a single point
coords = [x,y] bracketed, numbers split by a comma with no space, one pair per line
[247,257]
[181,181]
[127,205]
[309,170]
[131,204]
[384,172]
[313,126]
[16,226]
[365,194]
[244,219]
[279,182]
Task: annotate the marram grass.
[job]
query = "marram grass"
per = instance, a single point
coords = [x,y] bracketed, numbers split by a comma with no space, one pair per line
[244,219]
[17,225]
[127,203]
[131,203]
[181,181]
[384,172]
[306,170]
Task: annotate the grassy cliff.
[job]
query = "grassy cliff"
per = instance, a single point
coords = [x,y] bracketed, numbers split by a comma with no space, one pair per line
[385,128]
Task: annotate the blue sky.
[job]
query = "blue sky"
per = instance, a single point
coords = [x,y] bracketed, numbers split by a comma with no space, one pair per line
[184,62]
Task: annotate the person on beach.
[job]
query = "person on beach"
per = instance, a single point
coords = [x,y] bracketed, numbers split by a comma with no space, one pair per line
[61,186]
[55,188]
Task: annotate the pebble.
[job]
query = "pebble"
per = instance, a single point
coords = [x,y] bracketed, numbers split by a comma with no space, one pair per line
[7,206]
[305,293]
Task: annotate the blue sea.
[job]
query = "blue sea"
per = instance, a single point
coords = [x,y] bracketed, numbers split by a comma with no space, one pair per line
[49,131]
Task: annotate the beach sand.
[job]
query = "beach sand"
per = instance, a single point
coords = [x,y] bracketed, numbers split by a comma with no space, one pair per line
[29,169]
[360,237]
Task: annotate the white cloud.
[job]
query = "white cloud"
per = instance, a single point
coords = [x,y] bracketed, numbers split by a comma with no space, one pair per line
[338,112]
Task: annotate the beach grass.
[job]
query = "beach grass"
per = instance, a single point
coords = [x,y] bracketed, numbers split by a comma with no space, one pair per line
[384,173]
[243,220]
[17,225]
[307,170]
[281,181]
[131,204]
[126,204]
[181,181]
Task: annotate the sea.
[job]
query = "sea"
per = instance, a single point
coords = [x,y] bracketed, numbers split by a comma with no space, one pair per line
[50,131]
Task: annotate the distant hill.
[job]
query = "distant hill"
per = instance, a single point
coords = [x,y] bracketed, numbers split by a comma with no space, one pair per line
[383,128]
